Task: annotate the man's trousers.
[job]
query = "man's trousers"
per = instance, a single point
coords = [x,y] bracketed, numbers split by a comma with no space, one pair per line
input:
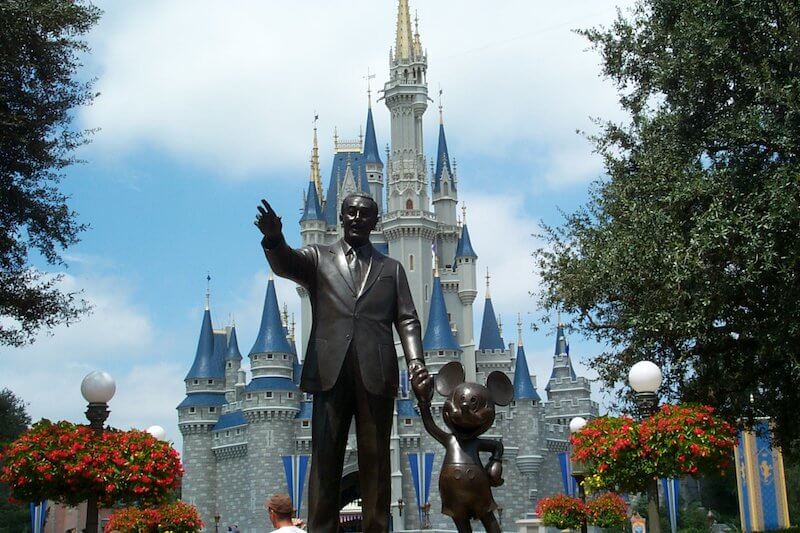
[330,423]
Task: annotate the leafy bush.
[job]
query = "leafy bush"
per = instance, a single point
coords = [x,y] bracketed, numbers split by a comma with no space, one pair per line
[563,512]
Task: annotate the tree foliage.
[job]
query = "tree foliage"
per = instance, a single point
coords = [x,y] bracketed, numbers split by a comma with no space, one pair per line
[687,254]
[14,420]
[40,49]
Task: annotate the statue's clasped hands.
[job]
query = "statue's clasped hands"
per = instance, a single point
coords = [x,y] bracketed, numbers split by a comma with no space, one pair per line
[421,382]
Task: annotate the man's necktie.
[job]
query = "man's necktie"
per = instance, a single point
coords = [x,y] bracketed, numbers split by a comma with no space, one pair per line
[356,270]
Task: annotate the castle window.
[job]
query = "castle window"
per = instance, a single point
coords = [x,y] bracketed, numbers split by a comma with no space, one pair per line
[411,262]
[285,357]
[269,356]
[255,357]
[290,395]
[212,409]
[267,395]
[441,352]
[513,403]
[216,436]
[196,382]
[210,381]
[238,431]
[407,422]
[249,396]
[192,410]
[230,365]
[227,433]
[305,423]
[409,204]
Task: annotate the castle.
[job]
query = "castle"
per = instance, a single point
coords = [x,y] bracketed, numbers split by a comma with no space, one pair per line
[244,441]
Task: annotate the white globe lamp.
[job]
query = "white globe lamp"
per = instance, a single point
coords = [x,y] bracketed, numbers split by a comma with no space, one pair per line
[645,376]
[98,387]
[158,432]
[576,424]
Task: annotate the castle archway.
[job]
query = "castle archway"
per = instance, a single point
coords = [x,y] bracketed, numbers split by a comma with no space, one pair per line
[350,499]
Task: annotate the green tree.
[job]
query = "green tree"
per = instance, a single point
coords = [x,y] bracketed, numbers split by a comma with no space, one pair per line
[14,420]
[687,253]
[40,49]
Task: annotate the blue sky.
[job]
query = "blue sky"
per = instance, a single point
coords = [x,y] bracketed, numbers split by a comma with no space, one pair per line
[206,107]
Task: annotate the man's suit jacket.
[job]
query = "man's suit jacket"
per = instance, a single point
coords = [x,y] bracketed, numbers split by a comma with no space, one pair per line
[341,315]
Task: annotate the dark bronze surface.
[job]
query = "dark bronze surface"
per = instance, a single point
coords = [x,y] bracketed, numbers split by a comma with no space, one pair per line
[465,484]
[350,363]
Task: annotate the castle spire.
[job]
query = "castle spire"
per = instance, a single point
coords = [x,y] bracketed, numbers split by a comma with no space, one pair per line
[316,175]
[271,337]
[206,364]
[371,153]
[523,386]
[404,40]
[208,292]
[442,155]
[491,339]
[312,200]
[438,335]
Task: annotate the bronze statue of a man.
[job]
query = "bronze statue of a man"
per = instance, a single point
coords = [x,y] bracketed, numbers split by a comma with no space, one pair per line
[350,364]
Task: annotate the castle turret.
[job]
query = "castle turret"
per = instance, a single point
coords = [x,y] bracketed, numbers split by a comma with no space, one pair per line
[233,363]
[409,226]
[197,415]
[465,265]
[527,415]
[438,343]
[372,160]
[492,353]
[445,199]
[312,223]
[271,399]
[568,395]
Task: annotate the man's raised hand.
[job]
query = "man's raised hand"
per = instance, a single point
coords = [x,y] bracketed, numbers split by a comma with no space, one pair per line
[268,223]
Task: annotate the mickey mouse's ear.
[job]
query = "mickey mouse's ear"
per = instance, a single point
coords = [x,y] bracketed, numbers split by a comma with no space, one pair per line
[449,377]
[500,388]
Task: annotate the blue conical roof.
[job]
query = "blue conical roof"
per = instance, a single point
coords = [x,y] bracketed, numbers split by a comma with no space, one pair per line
[523,386]
[233,346]
[206,363]
[442,161]
[464,248]
[490,332]
[271,337]
[561,341]
[312,209]
[358,167]
[438,335]
[371,153]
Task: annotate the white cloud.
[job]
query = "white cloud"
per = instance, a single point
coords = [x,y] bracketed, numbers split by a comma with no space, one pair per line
[118,337]
[233,86]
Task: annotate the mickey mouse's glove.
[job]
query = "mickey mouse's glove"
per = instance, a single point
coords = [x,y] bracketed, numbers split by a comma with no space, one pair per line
[495,471]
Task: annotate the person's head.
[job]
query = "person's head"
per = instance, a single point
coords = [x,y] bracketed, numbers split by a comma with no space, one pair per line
[359,216]
[280,510]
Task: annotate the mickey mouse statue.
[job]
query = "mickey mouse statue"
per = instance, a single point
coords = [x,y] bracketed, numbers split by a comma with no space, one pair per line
[465,485]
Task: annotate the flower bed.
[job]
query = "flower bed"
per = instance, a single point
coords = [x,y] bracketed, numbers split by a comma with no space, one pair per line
[624,455]
[608,510]
[563,512]
[176,517]
[67,463]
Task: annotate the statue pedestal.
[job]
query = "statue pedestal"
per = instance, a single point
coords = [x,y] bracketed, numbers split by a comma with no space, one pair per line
[530,525]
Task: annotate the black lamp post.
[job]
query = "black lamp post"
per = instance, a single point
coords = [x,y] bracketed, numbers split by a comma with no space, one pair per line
[426,515]
[645,379]
[400,504]
[97,388]
[216,522]
[578,469]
